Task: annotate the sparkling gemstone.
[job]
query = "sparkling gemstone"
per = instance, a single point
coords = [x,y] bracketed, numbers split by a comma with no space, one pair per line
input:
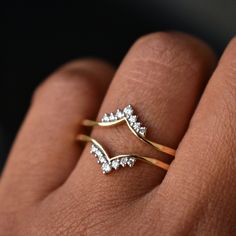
[93,149]
[106,168]
[101,159]
[119,114]
[132,119]
[98,153]
[123,161]
[112,117]
[142,131]
[128,110]
[115,164]
[131,161]
[105,118]
[136,126]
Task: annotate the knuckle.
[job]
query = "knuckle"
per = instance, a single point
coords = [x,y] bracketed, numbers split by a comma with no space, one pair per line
[175,52]
[155,46]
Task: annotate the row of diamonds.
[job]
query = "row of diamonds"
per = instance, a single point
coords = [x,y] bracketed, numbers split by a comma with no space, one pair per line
[127,112]
[98,153]
[115,164]
[119,162]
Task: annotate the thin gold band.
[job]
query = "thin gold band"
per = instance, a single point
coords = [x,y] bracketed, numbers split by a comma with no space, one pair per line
[157,146]
[149,160]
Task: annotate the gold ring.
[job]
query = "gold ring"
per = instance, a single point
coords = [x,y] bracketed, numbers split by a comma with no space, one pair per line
[126,115]
[109,163]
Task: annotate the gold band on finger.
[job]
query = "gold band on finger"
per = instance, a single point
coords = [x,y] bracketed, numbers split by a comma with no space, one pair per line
[108,163]
[127,115]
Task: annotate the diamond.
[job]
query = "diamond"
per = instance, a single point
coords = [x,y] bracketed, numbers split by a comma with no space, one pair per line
[119,114]
[93,149]
[132,119]
[128,110]
[98,153]
[115,164]
[112,117]
[131,161]
[136,126]
[101,159]
[105,118]
[106,168]
[142,131]
[123,161]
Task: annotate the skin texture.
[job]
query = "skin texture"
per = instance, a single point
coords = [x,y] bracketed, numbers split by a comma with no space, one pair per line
[52,186]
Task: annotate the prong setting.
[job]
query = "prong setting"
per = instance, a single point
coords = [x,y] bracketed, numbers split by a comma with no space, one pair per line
[130,117]
[107,164]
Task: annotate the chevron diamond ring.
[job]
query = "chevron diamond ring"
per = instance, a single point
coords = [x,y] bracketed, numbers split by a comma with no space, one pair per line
[125,115]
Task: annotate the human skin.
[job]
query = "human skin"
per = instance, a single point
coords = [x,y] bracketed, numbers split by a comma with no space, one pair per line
[52,186]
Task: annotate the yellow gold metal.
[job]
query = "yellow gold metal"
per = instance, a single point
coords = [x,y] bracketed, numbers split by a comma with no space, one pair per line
[157,146]
[149,160]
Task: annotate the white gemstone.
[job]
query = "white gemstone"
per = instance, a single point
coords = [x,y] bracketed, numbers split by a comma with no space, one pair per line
[128,110]
[112,117]
[142,131]
[115,164]
[136,126]
[106,168]
[132,119]
[105,118]
[98,153]
[101,159]
[119,114]
[93,149]
[123,161]
[131,161]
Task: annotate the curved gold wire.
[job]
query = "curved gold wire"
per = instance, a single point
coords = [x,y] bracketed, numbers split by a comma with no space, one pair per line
[149,160]
[157,146]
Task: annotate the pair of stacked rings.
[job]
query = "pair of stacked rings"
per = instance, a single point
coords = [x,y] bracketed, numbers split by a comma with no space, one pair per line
[128,116]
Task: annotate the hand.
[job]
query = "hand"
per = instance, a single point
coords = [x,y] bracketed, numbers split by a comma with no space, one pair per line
[52,186]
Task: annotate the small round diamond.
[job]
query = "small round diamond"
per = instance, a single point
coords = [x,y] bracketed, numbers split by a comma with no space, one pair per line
[93,149]
[119,114]
[128,110]
[132,119]
[131,161]
[142,131]
[136,126]
[106,168]
[123,161]
[112,117]
[98,153]
[105,118]
[101,159]
[115,164]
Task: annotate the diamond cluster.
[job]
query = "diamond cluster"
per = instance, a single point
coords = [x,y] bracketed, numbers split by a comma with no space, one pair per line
[106,164]
[128,113]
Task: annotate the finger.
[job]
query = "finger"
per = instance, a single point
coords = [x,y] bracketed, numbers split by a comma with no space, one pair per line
[45,150]
[201,180]
[162,77]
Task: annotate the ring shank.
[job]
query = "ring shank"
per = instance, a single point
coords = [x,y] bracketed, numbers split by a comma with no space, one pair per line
[157,146]
[149,160]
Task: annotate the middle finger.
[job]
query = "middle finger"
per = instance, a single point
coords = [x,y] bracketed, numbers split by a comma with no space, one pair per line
[162,76]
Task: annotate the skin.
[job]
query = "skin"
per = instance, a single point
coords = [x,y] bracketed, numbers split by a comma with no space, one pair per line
[52,186]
